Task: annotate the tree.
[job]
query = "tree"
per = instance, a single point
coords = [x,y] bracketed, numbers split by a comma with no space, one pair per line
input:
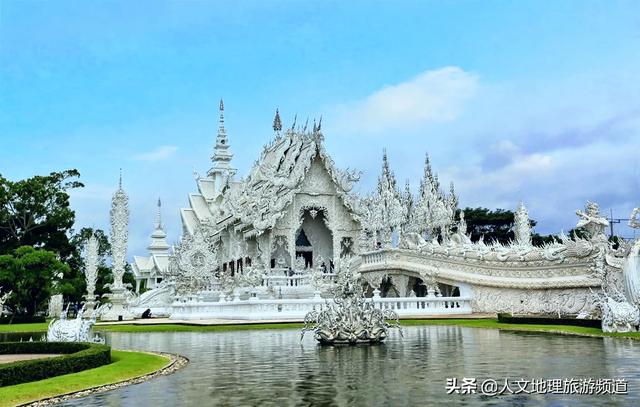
[36,212]
[491,225]
[30,273]
[498,225]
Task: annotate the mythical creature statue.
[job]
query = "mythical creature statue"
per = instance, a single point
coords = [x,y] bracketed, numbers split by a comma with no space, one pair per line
[593,222]
[74,330]
[411,241]
[351,318]
[3,298]
[618,315]
[631,269]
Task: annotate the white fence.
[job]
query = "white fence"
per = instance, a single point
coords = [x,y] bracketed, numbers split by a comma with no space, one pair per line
[295,309]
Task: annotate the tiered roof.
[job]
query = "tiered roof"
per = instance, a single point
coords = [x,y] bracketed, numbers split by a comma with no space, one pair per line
[256,203]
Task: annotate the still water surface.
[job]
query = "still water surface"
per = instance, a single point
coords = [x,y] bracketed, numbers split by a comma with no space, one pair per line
[274,368]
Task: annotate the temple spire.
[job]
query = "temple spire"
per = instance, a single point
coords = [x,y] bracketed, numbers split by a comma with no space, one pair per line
[159,243]
[221,129]
[277,122]
[522,226]
[159,215]
[222,156]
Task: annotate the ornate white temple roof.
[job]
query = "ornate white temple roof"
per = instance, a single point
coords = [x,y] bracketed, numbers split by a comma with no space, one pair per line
[258,201]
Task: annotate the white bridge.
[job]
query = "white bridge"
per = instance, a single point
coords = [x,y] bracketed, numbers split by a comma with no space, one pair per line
[296,309]
[533,284]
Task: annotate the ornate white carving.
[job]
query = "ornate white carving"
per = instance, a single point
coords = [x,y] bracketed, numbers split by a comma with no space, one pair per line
[119,235]
[618,315]
[522,226]
[3,299]
[74,330]
[194,262]
[91,269]
[350,318]
[592,221]
[631,267]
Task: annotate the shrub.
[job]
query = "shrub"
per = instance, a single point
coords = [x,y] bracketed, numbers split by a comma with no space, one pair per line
[548,320]
[76,357]
[21,319]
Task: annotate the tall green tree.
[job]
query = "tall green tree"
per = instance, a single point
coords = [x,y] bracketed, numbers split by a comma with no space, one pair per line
[36,212]
[490,224]
[31,274]
[497,225]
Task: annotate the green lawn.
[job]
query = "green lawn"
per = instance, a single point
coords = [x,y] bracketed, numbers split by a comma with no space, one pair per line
[186,328]
[35,327]
[494,324]
[472,323]
[124,366]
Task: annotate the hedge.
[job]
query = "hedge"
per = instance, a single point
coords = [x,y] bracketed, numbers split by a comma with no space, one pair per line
[76,357]
[21,319]
[548,320]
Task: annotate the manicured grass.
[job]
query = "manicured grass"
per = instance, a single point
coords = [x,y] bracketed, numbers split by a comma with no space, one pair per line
[490,323]
[494,324]
[124,366]
[187,328]
[35,327]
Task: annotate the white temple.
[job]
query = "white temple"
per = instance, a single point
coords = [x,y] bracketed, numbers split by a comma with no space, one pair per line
[149,271]
[270,245]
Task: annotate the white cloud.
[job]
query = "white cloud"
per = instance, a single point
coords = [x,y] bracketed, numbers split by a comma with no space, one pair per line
[160,153]
[432,96]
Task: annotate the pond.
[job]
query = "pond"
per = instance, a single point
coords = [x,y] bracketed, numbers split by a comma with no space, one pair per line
[273,367]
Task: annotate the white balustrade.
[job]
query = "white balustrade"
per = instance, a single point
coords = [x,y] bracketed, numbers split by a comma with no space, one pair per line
[296,309]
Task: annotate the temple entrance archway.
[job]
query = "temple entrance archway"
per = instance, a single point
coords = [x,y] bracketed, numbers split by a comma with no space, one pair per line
[314,239]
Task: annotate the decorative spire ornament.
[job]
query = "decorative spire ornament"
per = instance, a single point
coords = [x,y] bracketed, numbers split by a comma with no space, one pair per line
[159,215]
[277,123]
[522,226]
[91,272]
[119,237]
[159,243]
[222,155]
[119,234]
[221,129]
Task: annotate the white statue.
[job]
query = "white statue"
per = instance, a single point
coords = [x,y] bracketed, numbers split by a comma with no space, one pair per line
[618,316]
[350,318]
[593,222]
[631,269]
[91,272]
[73,330]
[3,299]
[522,226]
[119,235]
[411,241]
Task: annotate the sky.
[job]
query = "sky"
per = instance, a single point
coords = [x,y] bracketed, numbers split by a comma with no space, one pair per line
[530,100]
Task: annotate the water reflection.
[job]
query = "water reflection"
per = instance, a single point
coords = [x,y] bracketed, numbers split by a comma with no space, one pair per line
[274,368]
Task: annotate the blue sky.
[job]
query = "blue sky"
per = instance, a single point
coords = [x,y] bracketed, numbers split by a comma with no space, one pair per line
[538,101]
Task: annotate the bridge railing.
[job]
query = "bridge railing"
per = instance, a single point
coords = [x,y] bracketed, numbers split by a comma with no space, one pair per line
[297,308]
[425,305]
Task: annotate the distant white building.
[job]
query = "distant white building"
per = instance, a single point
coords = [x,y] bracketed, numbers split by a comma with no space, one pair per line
[148,271]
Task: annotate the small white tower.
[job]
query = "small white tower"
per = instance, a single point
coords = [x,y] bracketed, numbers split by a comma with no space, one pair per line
[221,172]
[159,243]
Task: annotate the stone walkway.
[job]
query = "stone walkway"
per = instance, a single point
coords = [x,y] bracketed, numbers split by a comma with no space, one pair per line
[204,322]
[25,356]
